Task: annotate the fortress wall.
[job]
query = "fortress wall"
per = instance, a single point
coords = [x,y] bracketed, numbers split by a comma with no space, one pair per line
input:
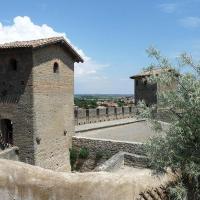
[81,116]
[75,117]
[110,147]
[87,116]
[93,118]
[102,115]
[111,113]
[22,181]
[132,111]
[119,112]
[126,113]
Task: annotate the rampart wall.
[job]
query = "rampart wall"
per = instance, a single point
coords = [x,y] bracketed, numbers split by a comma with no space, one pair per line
[87,116]
[22,181]
[109,146]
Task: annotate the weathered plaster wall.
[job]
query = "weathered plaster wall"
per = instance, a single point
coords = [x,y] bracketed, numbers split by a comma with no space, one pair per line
[21,181]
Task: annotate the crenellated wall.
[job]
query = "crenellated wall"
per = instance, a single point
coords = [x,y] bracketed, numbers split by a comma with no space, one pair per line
[87,116]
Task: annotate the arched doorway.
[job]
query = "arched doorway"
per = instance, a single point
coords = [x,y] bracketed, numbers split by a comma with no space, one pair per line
[6,133]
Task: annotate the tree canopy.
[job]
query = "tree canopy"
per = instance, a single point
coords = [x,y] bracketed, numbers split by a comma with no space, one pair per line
[179,148]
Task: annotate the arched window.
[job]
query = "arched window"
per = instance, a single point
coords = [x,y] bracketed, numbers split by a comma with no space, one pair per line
[55,68]
[13,65]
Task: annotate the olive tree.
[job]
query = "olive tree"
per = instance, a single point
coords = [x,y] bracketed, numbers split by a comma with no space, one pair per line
[179,148]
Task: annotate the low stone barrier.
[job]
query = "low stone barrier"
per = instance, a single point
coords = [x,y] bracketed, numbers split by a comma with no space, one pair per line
[112,164]
[134,160]
[123,159]
[109,146]
[21,181]
[10,153]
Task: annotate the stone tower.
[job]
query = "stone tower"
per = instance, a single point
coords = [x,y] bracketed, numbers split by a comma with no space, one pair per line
[144,90]
[36,99]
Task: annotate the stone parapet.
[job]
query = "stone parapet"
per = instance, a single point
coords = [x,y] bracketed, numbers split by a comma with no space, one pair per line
[87,116]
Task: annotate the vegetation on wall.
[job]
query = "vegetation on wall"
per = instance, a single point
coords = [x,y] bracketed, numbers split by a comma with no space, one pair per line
[120,103]
[78,157]
[179,149]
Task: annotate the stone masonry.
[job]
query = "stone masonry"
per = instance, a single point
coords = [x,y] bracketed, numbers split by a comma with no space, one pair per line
[145,90]
[88,116]
[108,146]
[36,95]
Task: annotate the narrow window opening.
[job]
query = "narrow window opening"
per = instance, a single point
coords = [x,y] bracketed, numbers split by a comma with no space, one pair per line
[136,82]
[55,68]
[13,65]
[4,93]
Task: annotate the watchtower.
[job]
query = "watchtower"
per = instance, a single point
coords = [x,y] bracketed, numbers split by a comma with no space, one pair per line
[145,90]
[36,99]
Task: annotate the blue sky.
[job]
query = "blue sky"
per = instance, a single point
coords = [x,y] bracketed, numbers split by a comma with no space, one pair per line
[112,35]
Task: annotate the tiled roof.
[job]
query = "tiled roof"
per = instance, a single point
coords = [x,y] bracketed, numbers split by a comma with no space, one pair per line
[41,43]
[150,72]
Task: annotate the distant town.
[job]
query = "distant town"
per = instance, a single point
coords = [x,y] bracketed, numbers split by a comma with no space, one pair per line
[103,100]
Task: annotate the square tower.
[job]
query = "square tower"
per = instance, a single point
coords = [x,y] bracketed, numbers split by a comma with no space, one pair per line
[36,99]
[145,90]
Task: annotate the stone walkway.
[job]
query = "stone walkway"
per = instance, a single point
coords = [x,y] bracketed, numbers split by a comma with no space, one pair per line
[106,124]
[129,130]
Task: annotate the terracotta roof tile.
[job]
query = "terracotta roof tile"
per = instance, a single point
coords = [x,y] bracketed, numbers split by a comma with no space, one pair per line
[156,71]
[41,43]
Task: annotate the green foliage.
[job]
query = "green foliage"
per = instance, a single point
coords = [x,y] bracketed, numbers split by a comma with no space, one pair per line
[179,149]
[77,157]
[178,192]
[85,103]
[83,153]
[120,103]
[73,156]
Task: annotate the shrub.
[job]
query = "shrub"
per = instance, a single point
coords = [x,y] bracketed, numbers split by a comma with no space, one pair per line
[83,153]
[179,148]
[73,156]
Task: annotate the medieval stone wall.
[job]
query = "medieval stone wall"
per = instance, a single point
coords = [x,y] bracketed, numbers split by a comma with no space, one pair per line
[145,91]
[21,181]
[87,116]
[110,147]
[53,107]
[16,99]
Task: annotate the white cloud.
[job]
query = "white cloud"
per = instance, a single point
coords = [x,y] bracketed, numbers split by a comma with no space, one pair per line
[168,7]
[24,29]
[190,22]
